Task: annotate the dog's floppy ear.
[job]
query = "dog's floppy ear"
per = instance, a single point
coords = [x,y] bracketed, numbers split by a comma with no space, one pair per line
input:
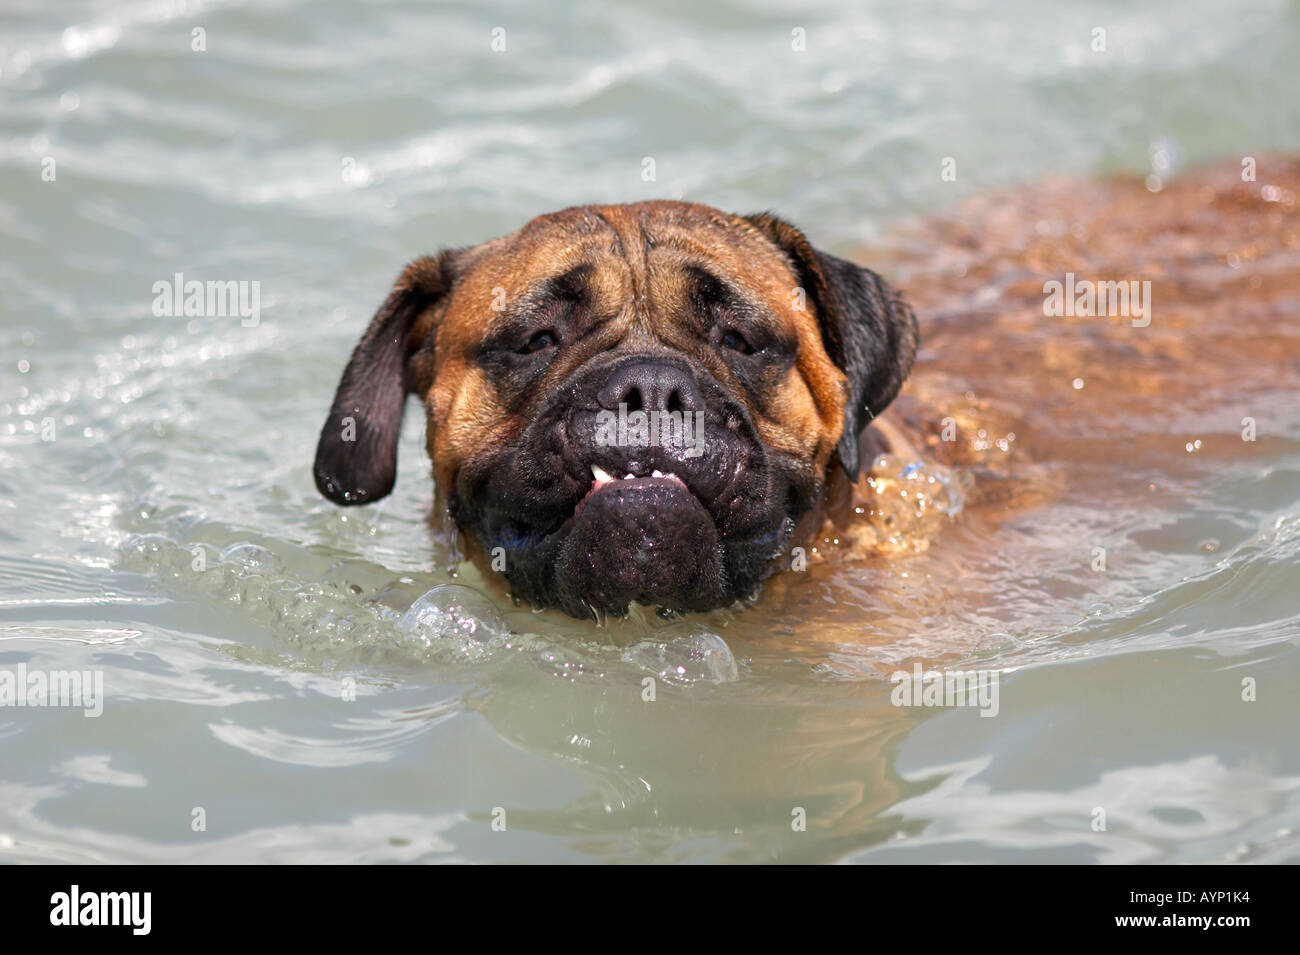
[356,458]
[868,328]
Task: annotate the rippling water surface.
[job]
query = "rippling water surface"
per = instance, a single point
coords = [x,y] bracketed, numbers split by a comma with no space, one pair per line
[278,668]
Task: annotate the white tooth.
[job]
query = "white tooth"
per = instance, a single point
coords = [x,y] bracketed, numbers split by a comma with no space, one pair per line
[628,476]
[656,473]
[599,473]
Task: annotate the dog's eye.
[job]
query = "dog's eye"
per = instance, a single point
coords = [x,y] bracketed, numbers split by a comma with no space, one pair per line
[538,342]
[736,342]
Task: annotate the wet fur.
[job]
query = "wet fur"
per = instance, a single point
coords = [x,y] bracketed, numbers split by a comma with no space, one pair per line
[649,282]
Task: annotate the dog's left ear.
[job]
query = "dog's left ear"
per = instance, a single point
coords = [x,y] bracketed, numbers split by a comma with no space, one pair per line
[356,458]
[868,328]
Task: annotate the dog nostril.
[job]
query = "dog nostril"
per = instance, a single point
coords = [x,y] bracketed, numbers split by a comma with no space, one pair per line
[649,386]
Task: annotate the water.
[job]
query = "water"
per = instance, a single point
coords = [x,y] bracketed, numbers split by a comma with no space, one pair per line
[265,672]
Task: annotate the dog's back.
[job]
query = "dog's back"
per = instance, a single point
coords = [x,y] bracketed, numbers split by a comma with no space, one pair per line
[1094,355]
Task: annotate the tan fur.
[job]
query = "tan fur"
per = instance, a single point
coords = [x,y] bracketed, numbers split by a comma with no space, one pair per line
[643,294]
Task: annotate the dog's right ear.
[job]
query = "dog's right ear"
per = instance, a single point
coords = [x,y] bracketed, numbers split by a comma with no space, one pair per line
[356,458]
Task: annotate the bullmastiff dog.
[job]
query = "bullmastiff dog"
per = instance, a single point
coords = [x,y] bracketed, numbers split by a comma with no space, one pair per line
[629,403]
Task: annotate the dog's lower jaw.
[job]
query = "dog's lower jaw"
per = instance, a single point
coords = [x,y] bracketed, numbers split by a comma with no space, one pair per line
[566,534]
[603,568]
[646,542]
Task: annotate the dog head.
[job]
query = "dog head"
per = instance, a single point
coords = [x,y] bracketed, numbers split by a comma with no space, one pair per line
[633,403]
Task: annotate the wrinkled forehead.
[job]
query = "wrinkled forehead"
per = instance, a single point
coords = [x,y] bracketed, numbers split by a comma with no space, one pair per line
[648,251]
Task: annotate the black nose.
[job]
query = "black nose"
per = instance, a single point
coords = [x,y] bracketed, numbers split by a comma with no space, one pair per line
[651,386]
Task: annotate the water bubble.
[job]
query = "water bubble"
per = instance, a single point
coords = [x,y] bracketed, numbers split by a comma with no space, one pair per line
[253,559]
[568,664]
[146,552]
[688,658]
[147,544]
[456,618]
